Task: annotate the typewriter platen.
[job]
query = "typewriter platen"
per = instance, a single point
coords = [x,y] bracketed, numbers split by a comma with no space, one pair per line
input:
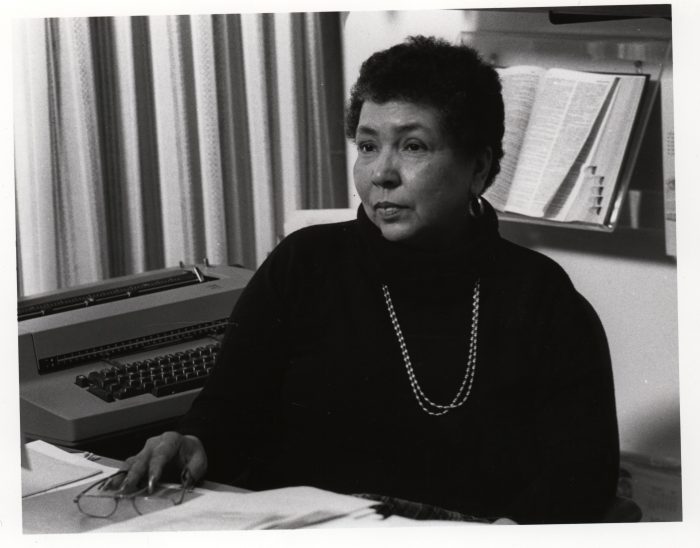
[109,357]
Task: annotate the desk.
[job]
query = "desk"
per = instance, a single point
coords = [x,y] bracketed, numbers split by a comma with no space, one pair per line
[212,506]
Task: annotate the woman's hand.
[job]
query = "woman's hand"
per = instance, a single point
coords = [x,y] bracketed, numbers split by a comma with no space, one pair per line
[185,452]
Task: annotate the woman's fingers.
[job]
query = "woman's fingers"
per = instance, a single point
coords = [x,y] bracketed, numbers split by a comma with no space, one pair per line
[149,463]
[165,450]
[139,466]
[115,481]
[193,457]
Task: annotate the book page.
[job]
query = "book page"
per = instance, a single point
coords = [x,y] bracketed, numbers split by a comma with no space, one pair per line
[567,105]
[592,198]
[583,169]
[519,85]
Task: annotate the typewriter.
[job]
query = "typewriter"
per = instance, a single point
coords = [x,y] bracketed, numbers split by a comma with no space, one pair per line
[109,357]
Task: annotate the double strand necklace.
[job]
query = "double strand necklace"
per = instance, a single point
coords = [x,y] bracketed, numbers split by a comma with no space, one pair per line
[425,403]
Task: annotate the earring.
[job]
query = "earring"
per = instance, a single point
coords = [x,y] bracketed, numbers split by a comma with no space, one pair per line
[476,206]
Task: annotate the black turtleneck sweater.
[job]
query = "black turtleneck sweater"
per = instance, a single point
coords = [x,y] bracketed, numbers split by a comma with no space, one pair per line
[311,387]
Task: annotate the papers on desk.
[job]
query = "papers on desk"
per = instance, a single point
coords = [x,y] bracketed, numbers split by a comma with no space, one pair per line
[287,508]
[45,473]
[49,467]
[52,510]
[56,476]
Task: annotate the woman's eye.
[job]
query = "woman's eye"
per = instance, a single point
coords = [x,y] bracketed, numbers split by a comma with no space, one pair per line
[366,147]
[414,147]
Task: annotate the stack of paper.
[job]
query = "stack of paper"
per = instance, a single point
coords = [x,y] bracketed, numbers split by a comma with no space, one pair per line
[56,477]
[46,472]
[286,508]
[49,484]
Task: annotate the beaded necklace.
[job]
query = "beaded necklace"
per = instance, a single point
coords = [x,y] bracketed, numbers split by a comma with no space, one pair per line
[425,403]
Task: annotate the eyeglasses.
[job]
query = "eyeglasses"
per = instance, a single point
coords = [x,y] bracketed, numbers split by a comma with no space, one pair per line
[97,501]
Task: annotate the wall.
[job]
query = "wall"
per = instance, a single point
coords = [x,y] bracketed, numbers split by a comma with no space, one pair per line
[625,275]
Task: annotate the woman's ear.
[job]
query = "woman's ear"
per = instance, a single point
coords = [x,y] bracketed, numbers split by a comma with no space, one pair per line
[481,169]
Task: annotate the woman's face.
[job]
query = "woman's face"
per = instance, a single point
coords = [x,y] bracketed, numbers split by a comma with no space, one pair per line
[413,185]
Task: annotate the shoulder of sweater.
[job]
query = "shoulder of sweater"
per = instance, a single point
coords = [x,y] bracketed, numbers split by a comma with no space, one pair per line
[308,248]
[526,262]
[542,278]
[316,238]
[301,255]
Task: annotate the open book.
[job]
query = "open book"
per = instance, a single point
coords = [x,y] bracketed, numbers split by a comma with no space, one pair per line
[566,133]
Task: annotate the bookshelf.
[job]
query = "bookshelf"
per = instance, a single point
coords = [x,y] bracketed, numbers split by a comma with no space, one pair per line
[594,47]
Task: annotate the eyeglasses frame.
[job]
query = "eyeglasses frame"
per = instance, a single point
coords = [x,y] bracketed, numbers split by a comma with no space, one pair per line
[117,497]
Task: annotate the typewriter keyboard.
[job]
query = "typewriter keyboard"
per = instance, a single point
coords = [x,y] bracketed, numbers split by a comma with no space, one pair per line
[160,376]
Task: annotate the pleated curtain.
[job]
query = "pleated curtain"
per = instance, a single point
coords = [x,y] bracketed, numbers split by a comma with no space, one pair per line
[141,142]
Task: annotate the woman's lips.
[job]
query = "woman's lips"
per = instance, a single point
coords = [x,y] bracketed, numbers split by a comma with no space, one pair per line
[387,210]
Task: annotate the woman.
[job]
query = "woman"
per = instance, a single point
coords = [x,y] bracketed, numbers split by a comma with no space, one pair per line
[412,353]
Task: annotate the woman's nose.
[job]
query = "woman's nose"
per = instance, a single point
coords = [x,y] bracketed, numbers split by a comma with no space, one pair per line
[385,172]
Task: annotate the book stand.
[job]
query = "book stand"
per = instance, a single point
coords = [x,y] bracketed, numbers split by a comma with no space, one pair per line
[594,52]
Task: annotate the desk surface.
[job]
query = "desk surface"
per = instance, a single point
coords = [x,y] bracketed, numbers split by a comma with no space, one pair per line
[212,506]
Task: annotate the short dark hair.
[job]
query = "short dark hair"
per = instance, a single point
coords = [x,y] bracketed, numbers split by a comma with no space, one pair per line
[455,80]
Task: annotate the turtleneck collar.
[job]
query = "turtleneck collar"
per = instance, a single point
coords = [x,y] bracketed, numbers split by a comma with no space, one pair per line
[473,254]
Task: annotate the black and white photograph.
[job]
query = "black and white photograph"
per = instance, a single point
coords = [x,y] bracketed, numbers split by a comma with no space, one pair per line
[350,271]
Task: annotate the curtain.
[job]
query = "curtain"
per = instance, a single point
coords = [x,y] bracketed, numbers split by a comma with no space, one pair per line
[141,142]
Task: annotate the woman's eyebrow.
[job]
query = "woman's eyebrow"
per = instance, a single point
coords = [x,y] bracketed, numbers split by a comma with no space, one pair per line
[366,129]
[403,128]
[411,126]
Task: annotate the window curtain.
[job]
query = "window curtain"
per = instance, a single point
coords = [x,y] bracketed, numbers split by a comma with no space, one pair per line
[141,142]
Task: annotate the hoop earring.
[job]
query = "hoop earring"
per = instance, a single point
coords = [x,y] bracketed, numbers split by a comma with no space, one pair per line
[476,206]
